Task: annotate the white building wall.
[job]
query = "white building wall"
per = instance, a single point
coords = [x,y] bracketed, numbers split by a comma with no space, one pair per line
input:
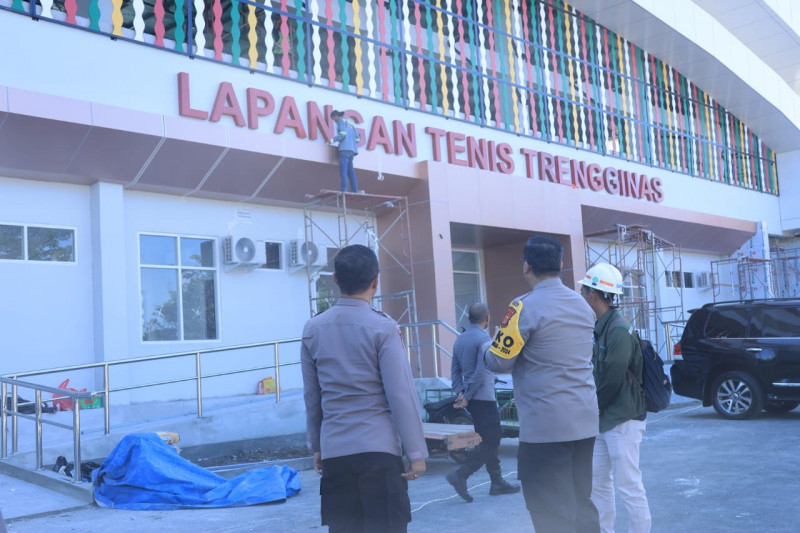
[693,297]
[789,180]
[254,305]
[47,309]
[52,311]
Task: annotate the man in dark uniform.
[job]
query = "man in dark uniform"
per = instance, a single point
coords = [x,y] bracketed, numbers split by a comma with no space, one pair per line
[474,386]
[362,412]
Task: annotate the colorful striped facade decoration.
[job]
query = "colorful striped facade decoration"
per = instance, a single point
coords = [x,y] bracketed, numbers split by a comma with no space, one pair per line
[537,68]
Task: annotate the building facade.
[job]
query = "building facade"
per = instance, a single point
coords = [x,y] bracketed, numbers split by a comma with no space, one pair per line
[164,166]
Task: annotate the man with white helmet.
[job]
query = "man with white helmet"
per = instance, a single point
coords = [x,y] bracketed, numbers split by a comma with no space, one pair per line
[616,358]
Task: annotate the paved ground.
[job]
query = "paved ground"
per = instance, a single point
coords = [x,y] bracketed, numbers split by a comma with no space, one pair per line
[702,473]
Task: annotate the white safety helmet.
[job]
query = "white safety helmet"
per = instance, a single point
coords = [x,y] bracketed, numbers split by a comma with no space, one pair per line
[603,277]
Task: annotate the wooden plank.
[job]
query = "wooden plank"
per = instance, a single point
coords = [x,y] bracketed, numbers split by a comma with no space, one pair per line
[456,436]
[446,429]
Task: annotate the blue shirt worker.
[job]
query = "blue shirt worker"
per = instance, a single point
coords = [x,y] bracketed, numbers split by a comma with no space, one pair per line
[346,139]
[545,340]
[617,362]
[474,387]
[362,412]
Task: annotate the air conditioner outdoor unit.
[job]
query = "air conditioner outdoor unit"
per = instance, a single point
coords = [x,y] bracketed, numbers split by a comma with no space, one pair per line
[306,253]
[240,250]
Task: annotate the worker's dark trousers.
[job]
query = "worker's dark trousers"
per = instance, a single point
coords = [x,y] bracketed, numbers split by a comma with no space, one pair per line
[486,419]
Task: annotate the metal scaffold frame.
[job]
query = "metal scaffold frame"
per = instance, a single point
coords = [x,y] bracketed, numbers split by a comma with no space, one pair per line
[357,223]
[644,259]
[787,271]
[751,278]
[743,278]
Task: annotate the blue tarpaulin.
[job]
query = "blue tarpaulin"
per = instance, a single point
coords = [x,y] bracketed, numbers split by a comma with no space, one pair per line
[145,473]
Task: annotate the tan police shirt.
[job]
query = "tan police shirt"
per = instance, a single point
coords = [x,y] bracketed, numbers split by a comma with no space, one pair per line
[545,340]
[358,388]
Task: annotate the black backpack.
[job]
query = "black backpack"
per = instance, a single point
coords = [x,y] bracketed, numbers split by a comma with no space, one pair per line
[27,407]
[655,386]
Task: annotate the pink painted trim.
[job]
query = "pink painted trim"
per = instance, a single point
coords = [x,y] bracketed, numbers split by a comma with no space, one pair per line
[217,26]
[331,59]
[158,10]
[71,7]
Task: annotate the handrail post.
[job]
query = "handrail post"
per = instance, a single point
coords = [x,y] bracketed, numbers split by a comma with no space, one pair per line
[14,424]
[106,407]
[277,375]
[4,421]
[199,379]
[76,439]
[435,351]
[38,412]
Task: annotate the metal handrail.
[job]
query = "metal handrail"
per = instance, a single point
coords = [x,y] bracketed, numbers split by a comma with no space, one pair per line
[105,393]
[74,396]
[198,377]
[437,347]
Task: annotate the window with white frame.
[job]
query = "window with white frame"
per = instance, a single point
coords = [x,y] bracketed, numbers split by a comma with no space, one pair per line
[673,278]
[37,243]
[179,288]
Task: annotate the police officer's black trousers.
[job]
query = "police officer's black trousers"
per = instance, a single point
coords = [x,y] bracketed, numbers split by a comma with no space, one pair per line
[364,493]
[486,419]
[557,484]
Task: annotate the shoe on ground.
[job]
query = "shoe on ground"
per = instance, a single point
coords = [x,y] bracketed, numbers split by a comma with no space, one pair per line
[502,487]
[460,484]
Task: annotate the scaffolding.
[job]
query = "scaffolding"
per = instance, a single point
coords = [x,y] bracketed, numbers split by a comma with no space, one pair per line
[787,271]
[751,278]
[644,259]
[377,221]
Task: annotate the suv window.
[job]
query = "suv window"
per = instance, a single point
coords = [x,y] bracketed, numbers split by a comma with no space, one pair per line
[694,327]
[728,323]
[775,322]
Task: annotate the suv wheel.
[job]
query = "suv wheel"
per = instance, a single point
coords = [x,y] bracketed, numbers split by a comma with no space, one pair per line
[780,407]
[737,395]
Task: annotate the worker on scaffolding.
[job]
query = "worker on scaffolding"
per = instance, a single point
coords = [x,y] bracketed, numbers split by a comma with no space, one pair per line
[346,140]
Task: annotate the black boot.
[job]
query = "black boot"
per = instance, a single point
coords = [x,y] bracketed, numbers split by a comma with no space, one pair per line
[459,482]
[501,486]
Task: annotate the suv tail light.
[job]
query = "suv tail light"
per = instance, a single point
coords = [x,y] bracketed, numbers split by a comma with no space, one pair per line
[676,350]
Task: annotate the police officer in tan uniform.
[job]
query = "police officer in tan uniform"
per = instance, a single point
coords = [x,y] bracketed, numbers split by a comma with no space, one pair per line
[362,413]
[545,340]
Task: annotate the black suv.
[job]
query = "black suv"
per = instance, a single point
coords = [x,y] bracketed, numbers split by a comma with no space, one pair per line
[741,357]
